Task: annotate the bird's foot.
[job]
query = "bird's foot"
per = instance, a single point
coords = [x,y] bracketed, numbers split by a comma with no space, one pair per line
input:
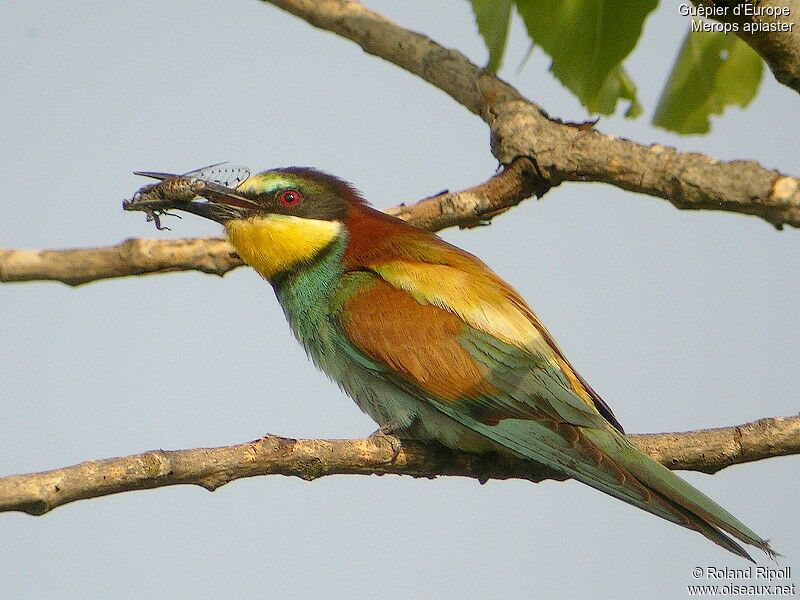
[392,428]
[389,432]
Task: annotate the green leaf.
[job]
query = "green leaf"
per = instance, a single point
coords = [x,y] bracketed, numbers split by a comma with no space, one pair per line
[713,71]
[628,92]
[588,40]
[617,85]
[493,18]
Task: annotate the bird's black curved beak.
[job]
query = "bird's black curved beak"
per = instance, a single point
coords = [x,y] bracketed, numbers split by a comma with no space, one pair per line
[218,203]
[215,211]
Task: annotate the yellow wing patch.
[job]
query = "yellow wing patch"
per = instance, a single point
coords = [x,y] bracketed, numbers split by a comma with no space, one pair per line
[480,301]
[273,244]
[487,303]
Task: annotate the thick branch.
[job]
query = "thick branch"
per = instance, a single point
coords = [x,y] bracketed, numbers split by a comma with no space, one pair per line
[211,255]
[779,49]
[563,152]
[708,450]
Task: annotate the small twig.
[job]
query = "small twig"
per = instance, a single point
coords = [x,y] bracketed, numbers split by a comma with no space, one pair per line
[478,205]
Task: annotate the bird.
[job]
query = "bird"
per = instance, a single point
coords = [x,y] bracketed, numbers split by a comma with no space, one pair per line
[434,346]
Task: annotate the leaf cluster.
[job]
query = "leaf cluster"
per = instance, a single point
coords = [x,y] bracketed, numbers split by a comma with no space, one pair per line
[589,40]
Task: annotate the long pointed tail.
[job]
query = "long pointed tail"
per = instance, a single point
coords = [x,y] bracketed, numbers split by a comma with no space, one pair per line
[605,459]
[665,494]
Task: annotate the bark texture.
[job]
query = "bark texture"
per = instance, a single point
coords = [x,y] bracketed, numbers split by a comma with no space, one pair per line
[707,450]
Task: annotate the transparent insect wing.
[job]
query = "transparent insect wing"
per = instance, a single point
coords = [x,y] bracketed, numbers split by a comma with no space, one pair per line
[224,174]
[156,175]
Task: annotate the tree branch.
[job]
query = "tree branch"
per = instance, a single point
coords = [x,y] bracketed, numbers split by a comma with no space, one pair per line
[131,257]
[549,152]
[562,152]
[707,450]
[541,152]
[467,208]
[779,49]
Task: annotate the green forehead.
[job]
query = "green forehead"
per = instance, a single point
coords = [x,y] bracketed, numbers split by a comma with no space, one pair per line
[271,181]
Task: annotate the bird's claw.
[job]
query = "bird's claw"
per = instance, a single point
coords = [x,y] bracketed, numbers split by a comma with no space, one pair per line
[391,428]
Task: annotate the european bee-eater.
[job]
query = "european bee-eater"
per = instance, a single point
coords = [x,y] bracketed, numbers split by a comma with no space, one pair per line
[433,345]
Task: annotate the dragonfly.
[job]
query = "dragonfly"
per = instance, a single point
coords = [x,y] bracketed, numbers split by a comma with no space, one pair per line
[155,199]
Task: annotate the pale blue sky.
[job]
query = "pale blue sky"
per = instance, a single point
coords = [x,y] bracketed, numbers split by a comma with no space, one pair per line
[680,320]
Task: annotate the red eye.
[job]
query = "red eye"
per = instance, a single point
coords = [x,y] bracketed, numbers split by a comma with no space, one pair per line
[290,197]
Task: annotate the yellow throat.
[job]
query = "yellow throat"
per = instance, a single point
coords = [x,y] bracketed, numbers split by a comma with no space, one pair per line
[273,244]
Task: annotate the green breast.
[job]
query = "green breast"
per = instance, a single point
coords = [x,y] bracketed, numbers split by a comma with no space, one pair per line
[312,298]
[305,296]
